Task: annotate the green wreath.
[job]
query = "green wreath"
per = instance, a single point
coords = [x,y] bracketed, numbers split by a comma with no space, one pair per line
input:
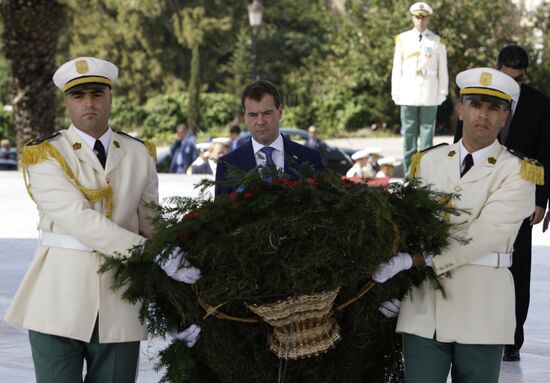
[278,241]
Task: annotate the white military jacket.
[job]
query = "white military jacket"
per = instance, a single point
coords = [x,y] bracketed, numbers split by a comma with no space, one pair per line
[419,73]
[62,292]
[479,307]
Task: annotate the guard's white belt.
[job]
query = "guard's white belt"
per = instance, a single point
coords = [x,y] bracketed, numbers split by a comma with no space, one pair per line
[63,241]
[494,260]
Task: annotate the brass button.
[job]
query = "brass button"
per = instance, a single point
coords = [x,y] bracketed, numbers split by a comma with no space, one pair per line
[458,188]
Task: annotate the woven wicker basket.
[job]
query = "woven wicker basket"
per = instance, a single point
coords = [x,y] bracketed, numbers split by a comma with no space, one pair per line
[302,326]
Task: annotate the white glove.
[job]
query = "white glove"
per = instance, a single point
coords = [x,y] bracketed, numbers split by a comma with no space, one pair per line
[190,335]
[441,99]
[390,309]
[429,261]
[177,267]
[397,263]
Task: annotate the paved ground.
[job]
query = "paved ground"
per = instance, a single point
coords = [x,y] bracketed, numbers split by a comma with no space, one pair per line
[18,240]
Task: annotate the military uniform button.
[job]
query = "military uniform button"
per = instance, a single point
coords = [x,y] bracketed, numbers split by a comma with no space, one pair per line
[458,188]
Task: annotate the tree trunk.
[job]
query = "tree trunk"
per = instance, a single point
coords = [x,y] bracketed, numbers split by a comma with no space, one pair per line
[193,108]
[31,31]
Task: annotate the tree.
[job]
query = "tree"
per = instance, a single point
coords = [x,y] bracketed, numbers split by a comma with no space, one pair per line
[30,38]
[239,65]
[190,27]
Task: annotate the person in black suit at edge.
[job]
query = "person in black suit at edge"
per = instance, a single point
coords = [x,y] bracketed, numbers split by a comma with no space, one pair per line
[527,131]
[262,106]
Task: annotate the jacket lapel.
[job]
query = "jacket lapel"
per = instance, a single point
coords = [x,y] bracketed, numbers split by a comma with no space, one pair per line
[248,159]
[452,163]
[83,151]
[115,153]
[291,157]
[483,168]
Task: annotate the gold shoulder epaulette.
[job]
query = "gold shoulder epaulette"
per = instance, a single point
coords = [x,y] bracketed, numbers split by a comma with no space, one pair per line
[39,150]
[415,160]
[36,150]
[530,169]
[151,148]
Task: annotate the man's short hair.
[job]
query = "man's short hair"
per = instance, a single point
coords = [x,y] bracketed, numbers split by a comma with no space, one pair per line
[235,130]
[258,89]
[513,56]
[181,126]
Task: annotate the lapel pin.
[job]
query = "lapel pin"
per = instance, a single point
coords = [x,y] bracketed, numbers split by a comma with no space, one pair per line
[77,145]
[117,144]
[492,160]
[451,153]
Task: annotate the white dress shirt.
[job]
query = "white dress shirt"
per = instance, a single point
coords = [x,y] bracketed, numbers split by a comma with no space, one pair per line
[278,154]
[477,155]
[90,141]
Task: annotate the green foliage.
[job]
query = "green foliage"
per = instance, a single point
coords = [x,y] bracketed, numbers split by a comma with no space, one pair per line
[238,67]
[7,129]
[311,49]
[162,113]
[332,233]
[126,115]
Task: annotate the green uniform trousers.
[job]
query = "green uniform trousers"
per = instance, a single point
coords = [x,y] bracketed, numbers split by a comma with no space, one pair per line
[60,360]
[416,121]
[429,361]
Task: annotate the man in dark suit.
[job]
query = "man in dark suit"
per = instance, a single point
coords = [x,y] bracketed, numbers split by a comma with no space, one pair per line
[527,132]
[267,148]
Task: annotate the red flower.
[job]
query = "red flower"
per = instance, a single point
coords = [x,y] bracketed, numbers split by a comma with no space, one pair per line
[184,238]
[285,182]
[191,214]
[379,182]
[312,181]
[233,197]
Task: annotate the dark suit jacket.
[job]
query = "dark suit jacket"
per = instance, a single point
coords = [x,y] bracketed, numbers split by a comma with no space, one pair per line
[529,133]
[244,159]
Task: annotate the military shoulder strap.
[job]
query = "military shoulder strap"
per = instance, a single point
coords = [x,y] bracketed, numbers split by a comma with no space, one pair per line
[530,168]
[148,144]
[415,160]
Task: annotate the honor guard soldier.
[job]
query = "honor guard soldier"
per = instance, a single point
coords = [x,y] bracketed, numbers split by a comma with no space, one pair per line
[465,332]
[419,81]
[90,185]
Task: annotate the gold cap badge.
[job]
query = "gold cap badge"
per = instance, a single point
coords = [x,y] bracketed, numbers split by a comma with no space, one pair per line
[485,78]
[81,66]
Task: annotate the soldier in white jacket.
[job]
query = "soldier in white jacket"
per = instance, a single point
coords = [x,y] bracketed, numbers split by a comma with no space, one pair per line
[420,81]
[90,185]
[465,331]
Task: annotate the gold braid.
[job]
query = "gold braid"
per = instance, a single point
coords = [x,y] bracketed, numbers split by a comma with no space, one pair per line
[34,154]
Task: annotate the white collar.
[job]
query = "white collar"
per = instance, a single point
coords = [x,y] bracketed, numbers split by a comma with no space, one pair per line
[90,141]
[477,155]
[278,144]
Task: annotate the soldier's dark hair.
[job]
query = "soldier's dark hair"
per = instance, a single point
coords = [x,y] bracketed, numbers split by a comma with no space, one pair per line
[258,89]
[235,129]
[513,56]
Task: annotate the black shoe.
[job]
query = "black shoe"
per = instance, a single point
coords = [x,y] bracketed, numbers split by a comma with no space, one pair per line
[511,354]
